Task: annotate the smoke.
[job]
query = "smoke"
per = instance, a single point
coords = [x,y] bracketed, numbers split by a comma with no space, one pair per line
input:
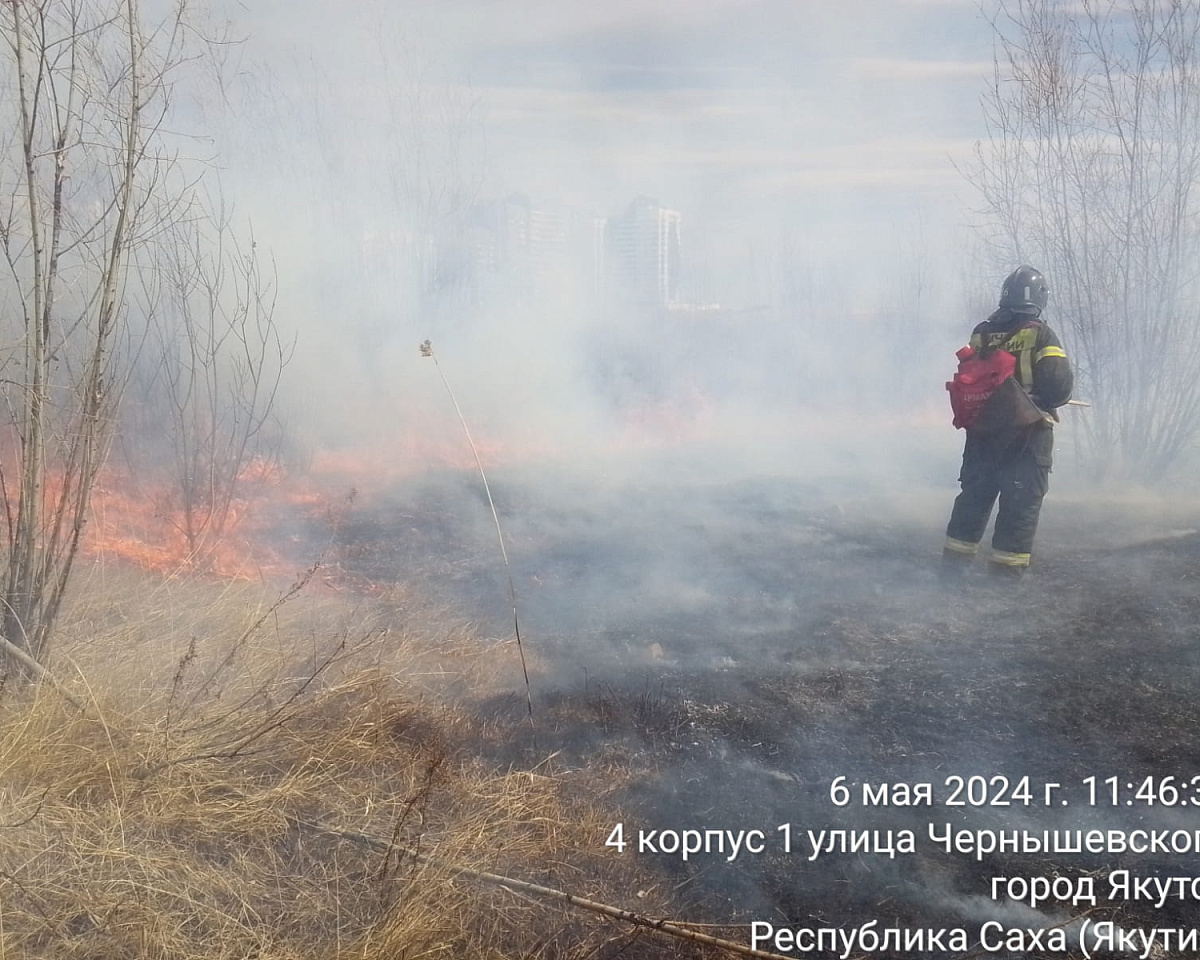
[733,641]
[723,491]
[382,154]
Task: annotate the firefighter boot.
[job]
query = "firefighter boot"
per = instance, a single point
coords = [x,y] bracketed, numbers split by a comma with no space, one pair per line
[1006,571]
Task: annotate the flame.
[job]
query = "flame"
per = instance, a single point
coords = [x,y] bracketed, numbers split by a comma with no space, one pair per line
[140,520]
[281,522]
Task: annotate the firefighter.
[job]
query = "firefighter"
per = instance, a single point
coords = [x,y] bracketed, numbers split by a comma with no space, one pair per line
[1010,458]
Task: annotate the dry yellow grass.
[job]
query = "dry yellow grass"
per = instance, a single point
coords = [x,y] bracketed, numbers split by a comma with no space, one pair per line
[172,818]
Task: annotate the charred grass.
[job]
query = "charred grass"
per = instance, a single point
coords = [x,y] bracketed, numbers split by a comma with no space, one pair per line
[781,654]
[207,801]
[687,674]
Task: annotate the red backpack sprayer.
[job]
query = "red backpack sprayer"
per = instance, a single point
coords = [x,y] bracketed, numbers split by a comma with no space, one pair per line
[978,377]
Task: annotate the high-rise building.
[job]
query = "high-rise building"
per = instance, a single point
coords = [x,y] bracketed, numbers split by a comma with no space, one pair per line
[519,252]
[644,254]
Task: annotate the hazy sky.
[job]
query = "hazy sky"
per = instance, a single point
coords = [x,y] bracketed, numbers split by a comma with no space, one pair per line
[824,129]
[839,114]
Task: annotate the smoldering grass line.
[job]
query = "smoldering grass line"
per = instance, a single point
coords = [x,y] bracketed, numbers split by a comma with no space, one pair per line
[427,351]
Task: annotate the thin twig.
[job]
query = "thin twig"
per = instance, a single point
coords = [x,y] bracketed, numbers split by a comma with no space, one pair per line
[299,584]
[427,351]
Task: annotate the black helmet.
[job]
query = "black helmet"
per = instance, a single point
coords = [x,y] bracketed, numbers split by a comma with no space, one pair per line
[1025,291]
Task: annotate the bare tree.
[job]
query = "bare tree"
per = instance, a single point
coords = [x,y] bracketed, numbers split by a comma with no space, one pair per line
[86,86]
[1088,170]
[203,424]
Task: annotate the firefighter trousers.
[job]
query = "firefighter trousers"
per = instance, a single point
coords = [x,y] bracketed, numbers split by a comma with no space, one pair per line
[1014,467]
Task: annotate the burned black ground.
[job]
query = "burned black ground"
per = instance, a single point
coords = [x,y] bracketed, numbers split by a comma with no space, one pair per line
[725,650]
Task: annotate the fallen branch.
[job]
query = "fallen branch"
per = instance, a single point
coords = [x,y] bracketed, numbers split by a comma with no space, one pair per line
[40,672]
[665,927]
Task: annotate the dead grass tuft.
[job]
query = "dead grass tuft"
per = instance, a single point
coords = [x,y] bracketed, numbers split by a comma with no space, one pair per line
[184,813]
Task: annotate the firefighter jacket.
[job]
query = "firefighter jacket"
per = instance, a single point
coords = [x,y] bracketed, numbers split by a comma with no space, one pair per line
[1013,462]
[1042,365]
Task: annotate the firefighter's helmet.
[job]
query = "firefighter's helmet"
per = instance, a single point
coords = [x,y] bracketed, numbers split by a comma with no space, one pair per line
[1025,291]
